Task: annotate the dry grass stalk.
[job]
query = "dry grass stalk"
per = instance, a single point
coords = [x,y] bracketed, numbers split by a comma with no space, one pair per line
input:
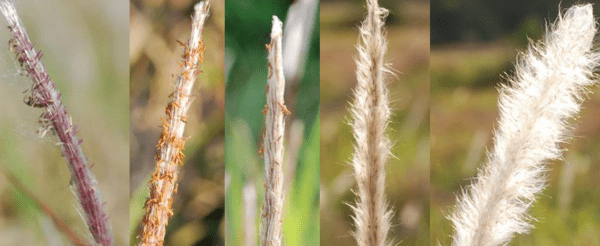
[170,145]
[55,119]
[545,92]
[371,113]
[272,209]
[60,223]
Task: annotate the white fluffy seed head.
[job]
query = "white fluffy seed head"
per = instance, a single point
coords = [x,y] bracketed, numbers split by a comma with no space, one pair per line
[535,106]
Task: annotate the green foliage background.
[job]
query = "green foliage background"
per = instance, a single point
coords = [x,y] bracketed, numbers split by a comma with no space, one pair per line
[479,44]
[247,32]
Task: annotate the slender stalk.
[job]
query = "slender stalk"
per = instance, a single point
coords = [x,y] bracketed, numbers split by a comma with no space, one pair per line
[249,200]
[55,118]
[270,231]
[545,92]
[170,145]
[60,223]
[371,113]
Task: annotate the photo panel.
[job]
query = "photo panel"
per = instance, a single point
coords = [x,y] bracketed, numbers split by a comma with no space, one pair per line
[509,126]
[272,122]
[177,112]
[64,142]
[374,122]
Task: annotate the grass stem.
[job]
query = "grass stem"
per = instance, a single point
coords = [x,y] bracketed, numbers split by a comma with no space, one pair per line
[272,209]
[170,156]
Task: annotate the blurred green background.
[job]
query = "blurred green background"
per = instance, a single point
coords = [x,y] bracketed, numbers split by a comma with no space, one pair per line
[407,183]
[247,31]
[473,44]
[198,207]
[85,50]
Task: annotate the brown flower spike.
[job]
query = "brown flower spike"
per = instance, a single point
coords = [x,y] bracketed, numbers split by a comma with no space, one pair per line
[170,145]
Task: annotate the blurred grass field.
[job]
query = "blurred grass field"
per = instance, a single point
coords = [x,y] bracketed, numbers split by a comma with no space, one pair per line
[407,183]
[248,30]
[85,49]
[156,26]
[464,78]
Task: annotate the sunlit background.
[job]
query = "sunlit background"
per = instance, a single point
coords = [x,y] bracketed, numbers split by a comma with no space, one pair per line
[248,30]
[407,183]
[85,50]
[472,44]
[156,26]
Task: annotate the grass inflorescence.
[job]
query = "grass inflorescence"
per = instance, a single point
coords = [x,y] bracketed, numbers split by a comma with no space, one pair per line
[169,156]
[43,94]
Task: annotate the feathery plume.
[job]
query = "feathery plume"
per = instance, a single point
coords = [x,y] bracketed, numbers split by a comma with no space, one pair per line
[270,231]
[170,145]
[55,118]
[371,113]
[545,92]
